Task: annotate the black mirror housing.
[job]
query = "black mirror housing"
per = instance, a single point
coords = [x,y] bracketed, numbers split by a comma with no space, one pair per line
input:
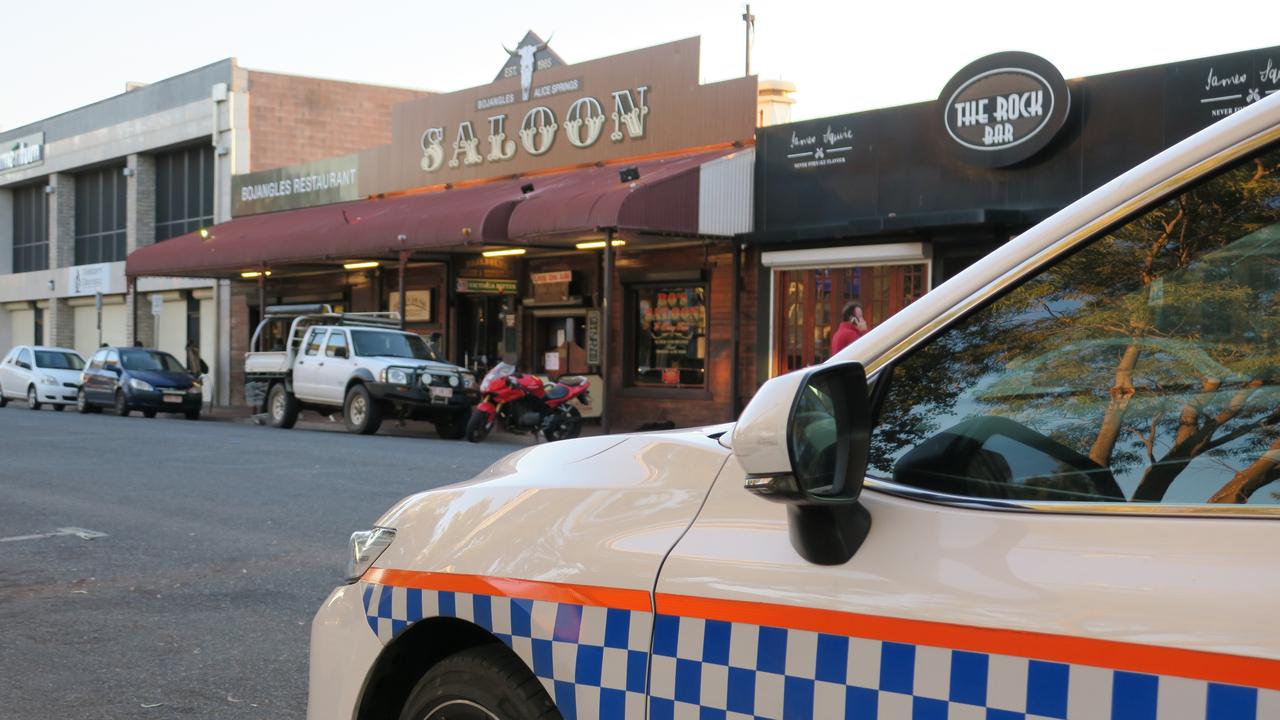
[828,441]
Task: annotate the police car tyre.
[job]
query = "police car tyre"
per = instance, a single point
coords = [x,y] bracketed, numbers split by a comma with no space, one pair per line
[478,426]
[121,407]
[481,683]
[361,412]
[32,402]
[453,429]
[282,407]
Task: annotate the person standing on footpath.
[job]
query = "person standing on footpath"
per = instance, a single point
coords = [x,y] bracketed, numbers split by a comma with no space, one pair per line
[852,326]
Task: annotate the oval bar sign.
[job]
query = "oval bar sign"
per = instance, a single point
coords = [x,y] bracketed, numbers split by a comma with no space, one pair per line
[1004,108]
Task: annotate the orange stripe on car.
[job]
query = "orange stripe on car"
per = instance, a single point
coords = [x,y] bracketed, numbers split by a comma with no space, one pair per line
[1197,664]
[622,599]
[1110,654]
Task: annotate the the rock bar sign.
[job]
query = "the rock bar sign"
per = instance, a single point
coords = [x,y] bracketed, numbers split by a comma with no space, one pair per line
[1004,108]
[584,122]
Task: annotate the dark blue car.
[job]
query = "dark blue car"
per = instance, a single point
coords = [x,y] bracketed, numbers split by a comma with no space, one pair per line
[131,378]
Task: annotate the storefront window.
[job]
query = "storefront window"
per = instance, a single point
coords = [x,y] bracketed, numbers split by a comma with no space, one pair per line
[670,336]
[809,304]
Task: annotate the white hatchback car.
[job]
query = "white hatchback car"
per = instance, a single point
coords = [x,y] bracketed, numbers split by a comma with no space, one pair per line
[1071,461]
[40,375]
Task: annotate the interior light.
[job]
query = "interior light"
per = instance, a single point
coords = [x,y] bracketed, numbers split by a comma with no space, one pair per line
[598,244]
[361,265]
[500,253]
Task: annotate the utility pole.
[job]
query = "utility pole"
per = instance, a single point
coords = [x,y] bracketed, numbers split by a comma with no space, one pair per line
[750,20]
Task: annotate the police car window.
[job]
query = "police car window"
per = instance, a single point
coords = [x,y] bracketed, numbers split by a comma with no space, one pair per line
[313,343]
[1143,368]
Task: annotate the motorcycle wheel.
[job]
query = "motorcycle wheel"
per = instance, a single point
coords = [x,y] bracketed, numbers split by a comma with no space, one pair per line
[478,426]
[565,426]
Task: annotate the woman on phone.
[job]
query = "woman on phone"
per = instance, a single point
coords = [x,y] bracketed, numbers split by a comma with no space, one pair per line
[852,326]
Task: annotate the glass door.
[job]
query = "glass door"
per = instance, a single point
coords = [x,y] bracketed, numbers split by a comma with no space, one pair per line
[809,303]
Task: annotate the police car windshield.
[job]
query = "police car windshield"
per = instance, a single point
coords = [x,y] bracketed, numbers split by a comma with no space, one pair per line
[150,360]
[50,360]
[371,343]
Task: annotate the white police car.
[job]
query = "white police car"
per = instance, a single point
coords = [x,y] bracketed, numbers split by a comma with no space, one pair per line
[1048,489]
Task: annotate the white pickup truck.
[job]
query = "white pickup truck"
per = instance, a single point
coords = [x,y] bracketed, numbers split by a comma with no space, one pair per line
[361,364]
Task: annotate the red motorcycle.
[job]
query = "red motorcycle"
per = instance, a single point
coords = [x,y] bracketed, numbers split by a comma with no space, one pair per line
[525,404]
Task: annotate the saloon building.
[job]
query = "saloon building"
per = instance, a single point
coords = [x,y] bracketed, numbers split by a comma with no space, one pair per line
[81,190]
[881,206]
[566,218]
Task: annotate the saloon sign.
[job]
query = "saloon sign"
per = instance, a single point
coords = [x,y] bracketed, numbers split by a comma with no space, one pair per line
[543,114]
[580,121]
[1004,108]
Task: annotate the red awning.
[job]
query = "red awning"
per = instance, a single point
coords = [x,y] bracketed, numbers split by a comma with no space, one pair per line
[664,199]
[345,231]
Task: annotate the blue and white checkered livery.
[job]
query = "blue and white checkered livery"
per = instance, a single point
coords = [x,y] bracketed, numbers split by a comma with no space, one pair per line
[593,661]
[716,670]
[595,664]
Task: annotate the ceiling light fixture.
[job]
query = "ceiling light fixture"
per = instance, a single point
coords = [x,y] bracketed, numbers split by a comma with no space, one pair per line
[501,253]
[249,274]
[361,265]
[598,244]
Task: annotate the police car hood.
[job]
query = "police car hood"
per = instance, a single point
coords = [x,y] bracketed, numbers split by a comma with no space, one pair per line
[600,511]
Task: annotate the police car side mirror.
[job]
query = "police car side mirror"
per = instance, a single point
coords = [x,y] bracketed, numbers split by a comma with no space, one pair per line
[803,441]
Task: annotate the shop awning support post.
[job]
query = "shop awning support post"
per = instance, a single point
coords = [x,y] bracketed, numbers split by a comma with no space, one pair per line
[262,294]
[404,262]
[735,308]
[605,330]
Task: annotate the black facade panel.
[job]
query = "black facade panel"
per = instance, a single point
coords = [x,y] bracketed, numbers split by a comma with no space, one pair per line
[904,168]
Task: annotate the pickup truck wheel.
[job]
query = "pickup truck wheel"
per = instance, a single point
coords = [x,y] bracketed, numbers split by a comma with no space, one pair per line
[361,412]
[454,429]
[478,426]
[282,407]
[481,683]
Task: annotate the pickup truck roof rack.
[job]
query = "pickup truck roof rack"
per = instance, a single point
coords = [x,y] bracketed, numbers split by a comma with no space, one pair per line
[303,316]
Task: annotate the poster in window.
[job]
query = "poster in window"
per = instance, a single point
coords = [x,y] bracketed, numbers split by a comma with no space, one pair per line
[419,305]
[671,338]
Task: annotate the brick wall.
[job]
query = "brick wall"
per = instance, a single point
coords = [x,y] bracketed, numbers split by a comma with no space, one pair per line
[296,119]
[631,407]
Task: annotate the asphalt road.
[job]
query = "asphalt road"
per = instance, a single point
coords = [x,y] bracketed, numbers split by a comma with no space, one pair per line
[221,540]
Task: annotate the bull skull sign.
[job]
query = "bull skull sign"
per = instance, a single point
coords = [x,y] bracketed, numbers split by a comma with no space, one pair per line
[530,55]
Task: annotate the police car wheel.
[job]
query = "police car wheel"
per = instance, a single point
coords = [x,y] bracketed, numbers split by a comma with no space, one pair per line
[482,683]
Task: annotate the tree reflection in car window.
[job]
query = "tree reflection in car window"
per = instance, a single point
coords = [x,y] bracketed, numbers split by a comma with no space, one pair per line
[1142,368]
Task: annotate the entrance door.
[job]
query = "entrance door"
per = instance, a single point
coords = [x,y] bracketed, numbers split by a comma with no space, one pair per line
[809,303]
[483,325]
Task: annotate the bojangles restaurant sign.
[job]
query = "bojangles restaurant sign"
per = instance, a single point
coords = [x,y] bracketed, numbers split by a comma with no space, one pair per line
[541,113]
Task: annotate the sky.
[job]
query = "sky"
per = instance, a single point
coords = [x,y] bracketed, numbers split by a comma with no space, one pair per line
[843,56]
